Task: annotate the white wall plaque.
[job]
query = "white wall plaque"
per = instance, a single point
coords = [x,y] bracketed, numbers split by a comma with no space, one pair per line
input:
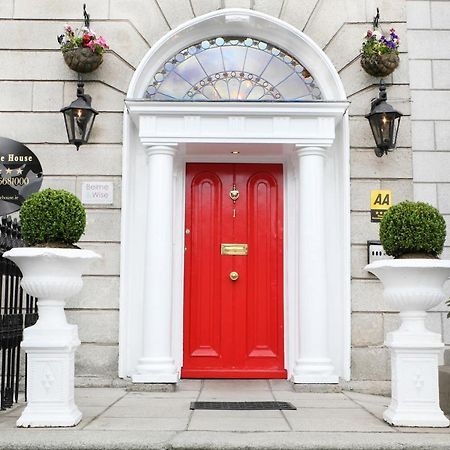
[97,192]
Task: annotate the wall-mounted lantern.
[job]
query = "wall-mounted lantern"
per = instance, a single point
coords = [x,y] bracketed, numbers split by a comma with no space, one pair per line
[79,117]
[384,121]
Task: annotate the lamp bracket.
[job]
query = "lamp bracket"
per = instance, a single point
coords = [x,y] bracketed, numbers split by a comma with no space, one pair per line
[376,19]
[382,96]
[87,20]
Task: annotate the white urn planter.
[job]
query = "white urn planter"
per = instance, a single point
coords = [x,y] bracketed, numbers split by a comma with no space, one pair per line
[52,275]
[413,286]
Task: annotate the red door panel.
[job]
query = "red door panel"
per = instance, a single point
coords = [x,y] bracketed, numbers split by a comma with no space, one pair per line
[262,312]
[234,329]
[203,322]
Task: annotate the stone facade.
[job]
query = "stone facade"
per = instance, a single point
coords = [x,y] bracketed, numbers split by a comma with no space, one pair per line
[35,84]
[429,62]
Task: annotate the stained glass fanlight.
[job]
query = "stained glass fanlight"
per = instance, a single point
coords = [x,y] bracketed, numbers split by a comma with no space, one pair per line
[233,69]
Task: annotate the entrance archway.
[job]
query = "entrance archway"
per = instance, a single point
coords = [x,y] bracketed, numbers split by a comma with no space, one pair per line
[310,138]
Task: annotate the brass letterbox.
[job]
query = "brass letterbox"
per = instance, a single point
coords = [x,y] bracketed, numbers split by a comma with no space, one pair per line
[234,249]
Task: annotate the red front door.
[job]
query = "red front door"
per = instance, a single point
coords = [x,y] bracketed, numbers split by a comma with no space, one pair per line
[233,328]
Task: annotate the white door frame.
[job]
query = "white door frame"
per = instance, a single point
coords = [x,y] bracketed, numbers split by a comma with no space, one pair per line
[310,138]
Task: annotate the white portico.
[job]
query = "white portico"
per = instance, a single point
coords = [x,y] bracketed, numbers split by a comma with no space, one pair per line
[310,139]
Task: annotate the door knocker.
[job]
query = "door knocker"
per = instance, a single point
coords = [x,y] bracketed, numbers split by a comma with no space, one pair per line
[234,195]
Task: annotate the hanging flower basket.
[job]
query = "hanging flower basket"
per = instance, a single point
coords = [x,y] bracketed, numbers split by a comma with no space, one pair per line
[379,53]
[380,65]
[82,48]
[82,60]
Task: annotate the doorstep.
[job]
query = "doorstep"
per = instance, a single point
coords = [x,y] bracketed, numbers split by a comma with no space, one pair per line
[114,418]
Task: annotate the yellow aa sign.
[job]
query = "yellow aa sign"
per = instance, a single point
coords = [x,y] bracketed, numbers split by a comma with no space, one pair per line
[380,201]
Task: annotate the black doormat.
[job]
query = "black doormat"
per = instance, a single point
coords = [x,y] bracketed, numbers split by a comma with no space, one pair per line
[249,406]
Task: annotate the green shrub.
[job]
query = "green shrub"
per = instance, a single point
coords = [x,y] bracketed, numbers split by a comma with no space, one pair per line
[52,217]
[412,227]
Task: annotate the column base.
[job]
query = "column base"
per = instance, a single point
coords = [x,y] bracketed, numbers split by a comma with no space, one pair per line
[314,371]
[48,416]
[424,418]
[155,370]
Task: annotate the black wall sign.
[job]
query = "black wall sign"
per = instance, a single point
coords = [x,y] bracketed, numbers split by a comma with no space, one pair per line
[20,175]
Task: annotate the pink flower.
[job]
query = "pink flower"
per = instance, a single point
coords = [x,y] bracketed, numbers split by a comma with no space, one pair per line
[101,41]
[68,28]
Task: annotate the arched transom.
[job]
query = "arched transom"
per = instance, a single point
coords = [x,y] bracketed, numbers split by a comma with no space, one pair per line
[233,69]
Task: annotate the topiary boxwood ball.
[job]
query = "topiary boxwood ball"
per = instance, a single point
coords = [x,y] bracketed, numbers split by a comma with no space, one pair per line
[52,217]
[412,227]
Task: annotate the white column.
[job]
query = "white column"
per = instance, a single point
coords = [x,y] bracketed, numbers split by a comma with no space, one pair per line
[313,364]
[157,364]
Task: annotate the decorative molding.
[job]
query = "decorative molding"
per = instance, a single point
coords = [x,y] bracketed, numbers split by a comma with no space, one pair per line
[303,124]
[152,149]
[303,151]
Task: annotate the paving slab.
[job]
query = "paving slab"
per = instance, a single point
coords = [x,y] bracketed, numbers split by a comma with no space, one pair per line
[177,394]
[313,400]
[238,424]
[236,396]
[280,385]
[151,408]
[8,422]
[136,423]
[220,414]
[146,412]
[235,385]
[98,396]
[338,419]
[374,404]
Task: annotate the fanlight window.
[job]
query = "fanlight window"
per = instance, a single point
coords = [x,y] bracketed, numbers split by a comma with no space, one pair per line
[233,69]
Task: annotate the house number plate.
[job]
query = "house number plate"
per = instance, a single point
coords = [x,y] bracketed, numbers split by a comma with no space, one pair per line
[234,249]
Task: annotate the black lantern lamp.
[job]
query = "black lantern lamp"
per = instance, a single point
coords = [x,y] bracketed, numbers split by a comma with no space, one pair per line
[79,117]
[384,121]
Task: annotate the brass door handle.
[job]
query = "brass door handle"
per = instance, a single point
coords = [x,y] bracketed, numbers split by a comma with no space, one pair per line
[234,276]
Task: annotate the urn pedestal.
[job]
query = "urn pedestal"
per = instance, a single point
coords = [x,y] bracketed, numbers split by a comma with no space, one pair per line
[413,286]
[51,275]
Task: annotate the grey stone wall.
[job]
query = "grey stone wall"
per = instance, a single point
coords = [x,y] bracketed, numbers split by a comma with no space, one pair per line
[35,83]
[429,65]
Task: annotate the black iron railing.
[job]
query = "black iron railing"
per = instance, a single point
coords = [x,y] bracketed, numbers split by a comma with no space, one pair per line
[17,311]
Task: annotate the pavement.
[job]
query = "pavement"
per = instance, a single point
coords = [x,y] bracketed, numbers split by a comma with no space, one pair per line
[117,419]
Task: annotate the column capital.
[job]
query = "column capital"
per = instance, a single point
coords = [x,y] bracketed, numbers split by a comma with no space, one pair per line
[160,149]
[310,150]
